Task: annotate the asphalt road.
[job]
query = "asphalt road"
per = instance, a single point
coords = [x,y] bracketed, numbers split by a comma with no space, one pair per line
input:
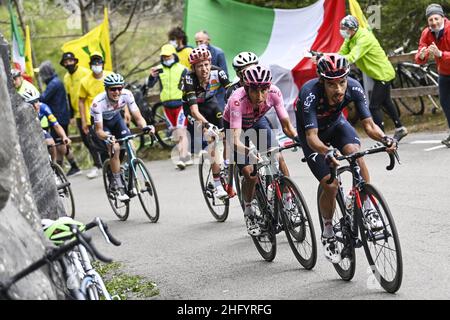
[191,256]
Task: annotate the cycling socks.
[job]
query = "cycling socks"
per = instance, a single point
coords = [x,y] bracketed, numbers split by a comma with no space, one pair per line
[327,228]
[217,182]
[118,180]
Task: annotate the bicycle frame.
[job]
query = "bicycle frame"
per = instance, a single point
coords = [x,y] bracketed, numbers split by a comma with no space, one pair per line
[131,160]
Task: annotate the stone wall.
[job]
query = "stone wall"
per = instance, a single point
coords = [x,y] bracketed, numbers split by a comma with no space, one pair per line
[27,192]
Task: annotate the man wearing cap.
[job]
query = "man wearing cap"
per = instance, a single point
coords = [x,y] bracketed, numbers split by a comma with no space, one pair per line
[169,73]
[55,97]
[435,43]
[72,80]
[91,86]
[363,49]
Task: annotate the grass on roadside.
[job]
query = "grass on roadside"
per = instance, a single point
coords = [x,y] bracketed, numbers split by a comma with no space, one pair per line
[126,286]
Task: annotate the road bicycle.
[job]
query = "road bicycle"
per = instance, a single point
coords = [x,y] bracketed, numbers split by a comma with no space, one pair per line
[153,115]
[63,185]
[275,212]
[381,246]
[229,178]
[82,281]
[137,181]
[410,75]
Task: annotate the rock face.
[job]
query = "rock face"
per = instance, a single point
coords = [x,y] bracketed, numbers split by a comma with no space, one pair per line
[27,193]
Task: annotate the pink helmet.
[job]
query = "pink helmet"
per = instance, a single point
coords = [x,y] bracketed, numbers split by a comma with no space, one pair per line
[257,75]
[199,54]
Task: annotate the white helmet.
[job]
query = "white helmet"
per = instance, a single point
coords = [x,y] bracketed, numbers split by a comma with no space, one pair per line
[244,59]
[30,95]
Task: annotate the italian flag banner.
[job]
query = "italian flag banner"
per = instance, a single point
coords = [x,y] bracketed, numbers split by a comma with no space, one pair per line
[281,38]
[17,46]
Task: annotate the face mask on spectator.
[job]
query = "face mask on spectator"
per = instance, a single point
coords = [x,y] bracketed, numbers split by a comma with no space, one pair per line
[70,68]
[168,63]
[97,69]
[345,34]
[174,43]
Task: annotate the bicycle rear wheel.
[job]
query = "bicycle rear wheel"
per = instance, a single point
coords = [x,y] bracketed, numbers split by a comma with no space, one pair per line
[146,190]
[121,209]
[64,190]
[414,105]
[298,225]
[164,133]
[382,247]
[266,243]
[218,208]
[346,268]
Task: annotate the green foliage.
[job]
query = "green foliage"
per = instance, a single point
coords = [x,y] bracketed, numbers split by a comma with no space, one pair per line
[124,285]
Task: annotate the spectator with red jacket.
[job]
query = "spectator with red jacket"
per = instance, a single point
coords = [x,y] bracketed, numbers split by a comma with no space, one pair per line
[435,43]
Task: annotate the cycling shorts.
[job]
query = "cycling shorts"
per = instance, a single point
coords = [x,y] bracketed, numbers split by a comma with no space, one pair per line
[176,117]
[338,136]
[210,110]
[116,126]
[262,136]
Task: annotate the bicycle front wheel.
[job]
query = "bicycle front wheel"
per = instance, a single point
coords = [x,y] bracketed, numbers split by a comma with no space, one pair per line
[346,268]
[146,190]
[218,208]
[298,225]
[120,209]
[382,247]
[64,190]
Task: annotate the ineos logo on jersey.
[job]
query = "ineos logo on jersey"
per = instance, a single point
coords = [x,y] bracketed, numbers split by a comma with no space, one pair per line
[222,74]
[309,99]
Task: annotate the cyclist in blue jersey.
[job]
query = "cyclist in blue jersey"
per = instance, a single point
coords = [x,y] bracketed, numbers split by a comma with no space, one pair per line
[43,110]
[320,123]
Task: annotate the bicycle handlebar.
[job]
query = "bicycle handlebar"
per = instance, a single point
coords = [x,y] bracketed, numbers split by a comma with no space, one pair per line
[55,253]
[277,149]
[352,157]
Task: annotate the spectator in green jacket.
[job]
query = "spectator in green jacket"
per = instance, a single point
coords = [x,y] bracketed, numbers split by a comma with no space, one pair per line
[362,48]
[169,73]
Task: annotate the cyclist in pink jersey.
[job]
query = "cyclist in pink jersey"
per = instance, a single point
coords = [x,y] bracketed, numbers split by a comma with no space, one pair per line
[244,117]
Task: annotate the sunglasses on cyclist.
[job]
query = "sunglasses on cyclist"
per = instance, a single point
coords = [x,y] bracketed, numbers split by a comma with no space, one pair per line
[264,86]
[114,89]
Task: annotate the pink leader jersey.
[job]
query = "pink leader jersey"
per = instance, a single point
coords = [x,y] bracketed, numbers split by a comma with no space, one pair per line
[239,110]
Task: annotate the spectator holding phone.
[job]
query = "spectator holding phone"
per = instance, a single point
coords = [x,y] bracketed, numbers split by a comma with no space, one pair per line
[435,43]
[169,73]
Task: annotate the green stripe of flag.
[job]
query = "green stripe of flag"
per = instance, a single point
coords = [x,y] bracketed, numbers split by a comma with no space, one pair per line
[232,26]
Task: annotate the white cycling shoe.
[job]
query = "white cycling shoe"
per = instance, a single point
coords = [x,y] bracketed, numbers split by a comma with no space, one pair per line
[220,192]
[331,251]
[372,219]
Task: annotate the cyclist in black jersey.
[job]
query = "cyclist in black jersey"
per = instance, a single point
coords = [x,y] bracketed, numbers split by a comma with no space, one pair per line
[241,62]
[200,87]
[320,123]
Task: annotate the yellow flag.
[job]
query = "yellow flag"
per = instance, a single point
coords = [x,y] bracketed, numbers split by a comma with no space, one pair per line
[355,10]
[28,57]
[95,40]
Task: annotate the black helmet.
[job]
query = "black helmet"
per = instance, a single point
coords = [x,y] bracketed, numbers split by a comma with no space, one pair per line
[67,55]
